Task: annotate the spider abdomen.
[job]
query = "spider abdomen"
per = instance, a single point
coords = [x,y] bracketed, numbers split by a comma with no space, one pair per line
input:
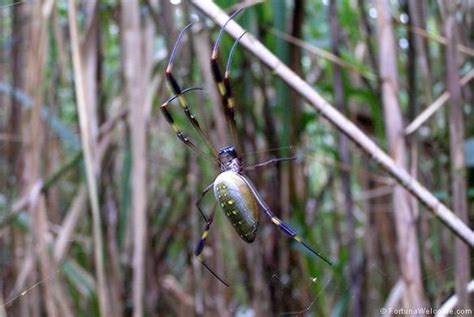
[238,203]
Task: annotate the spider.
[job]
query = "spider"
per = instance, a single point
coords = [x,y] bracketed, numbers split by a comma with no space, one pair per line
[233,191]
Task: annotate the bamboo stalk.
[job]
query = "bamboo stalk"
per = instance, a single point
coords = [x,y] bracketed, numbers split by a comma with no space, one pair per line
[88,159]
[34,133]
[342,123]
[405,220]
[137,71]
[462,259]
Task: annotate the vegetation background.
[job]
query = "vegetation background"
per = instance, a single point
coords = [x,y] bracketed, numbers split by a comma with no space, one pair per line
[97,194]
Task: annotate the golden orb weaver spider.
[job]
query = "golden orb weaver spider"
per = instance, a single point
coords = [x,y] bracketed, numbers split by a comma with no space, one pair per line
[233,191]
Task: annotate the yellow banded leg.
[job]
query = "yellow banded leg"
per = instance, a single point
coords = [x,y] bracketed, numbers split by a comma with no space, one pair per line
[292,234]
[179,133]
[224,89]
[200,248]
[176,88]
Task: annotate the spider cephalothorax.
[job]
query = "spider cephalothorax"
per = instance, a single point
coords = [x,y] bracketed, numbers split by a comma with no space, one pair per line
[229,159]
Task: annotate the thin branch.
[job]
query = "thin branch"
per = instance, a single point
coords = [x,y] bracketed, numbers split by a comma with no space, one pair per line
[431,109]
[435,37]
[448,306]
[395,296]
[342,123]
[324,54]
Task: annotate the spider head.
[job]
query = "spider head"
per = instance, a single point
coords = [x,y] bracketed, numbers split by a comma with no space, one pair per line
[228,159]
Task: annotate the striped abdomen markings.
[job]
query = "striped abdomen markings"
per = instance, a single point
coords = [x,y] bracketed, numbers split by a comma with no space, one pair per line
[238,203]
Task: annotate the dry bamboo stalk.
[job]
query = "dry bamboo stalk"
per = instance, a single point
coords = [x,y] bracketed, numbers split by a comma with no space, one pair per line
[462,259]
[405,219]
[342,123]
[431,109]
[89,56]
[34,133]
[137,71]
[89,160]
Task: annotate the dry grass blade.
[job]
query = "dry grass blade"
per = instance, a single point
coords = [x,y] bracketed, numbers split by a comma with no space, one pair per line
[324,54]
[341,122]
[437,38]
[77,208]
[88,159]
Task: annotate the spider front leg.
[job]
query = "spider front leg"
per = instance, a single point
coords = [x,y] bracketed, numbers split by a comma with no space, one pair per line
[181,135]
[202,242]
[180,94]
[270,161]
[223,82]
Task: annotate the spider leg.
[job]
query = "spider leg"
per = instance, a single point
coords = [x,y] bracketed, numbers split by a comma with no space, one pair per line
[180,93]
[270,161]
[181,135]
[292,234]
[223,82]
[280,224]
[198,202]
[200,247]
